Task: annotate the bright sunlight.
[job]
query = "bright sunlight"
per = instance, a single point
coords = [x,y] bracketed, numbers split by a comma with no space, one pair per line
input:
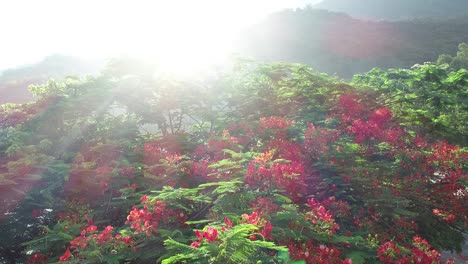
[181,35]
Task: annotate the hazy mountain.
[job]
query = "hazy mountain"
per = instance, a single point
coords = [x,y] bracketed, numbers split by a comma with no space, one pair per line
[397,9]
[338,43]
[14,82]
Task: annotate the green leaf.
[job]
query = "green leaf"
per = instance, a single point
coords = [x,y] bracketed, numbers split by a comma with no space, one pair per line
[359,257]
[198,222]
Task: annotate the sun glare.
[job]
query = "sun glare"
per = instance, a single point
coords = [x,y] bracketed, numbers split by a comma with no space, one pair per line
[182,34]
[181,39]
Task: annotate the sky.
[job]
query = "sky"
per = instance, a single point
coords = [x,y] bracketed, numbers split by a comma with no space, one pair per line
[32,29]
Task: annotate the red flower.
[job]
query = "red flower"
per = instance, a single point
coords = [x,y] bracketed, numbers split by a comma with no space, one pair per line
[91,229]
[228,222]
[265,227]
[388,252]
[127,240]
[320,216]
[211,234]
[381,116]
[66,256]
[79,242]
[106,235]
[127,171]
[195,244]
[37,258]
[199,235]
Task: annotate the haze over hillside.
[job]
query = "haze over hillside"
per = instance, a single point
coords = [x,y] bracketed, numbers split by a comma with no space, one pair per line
[397,9]
[14,82]
[338,43]
[330,42]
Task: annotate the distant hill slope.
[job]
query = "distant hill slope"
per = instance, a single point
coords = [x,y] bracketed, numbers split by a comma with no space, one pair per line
[337,43]
[397,9]
[14,82]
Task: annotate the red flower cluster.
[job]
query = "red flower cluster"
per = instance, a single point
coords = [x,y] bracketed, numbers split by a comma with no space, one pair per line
[37,258]
[153,152]
[127,240]
[373,126]
[444,215]
[388,252]
[211,234]
[127,171]
[315,254]
[210,153]
[89,236]
[275,122]
[424,246]
[446,156]
[337,207]
[105,236]
[318,140]
[80,242]
[147,219]
[351,103]
[66,256]
[286,149]
[321,217]
[421,252]
[264,173]
[201,169]
[445,165]
[265,227]
[214,149]
[83,240]
[381,116]
[228,224]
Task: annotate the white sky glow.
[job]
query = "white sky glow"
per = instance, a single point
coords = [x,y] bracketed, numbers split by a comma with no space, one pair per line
[171,30]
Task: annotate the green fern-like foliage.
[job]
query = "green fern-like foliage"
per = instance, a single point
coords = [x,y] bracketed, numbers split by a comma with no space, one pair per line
[232,246]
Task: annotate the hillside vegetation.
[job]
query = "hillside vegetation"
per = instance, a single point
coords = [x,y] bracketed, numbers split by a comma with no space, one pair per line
[264,163]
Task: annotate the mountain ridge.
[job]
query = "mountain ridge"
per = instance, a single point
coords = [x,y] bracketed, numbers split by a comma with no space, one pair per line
[339,43]
[395,10]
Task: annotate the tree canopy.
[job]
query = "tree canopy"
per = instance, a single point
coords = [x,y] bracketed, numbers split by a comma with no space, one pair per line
[262,163]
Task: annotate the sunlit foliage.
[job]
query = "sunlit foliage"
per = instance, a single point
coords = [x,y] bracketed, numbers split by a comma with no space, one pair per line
[264,163]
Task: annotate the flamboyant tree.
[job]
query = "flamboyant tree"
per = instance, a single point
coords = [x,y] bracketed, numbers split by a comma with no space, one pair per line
[267,163]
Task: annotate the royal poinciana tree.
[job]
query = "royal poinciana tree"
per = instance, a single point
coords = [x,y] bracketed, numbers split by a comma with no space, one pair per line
[266,163]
